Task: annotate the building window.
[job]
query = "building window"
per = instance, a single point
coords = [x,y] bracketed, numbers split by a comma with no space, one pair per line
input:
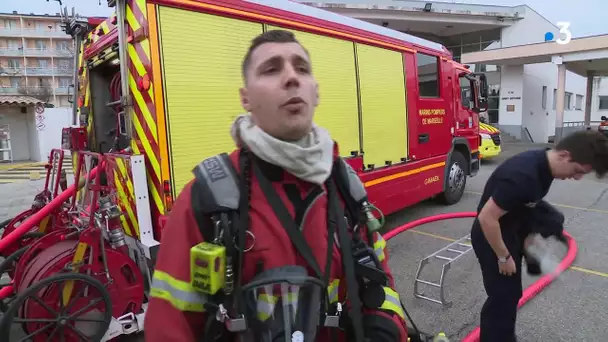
[43,63]
[13,44]
[64,82]
[63,64]
[428,75]
[62,46]
[40,45]
[15,82]
[10,24]
[544,99]
[567,100]
[579,102]
[14,63]
[603,100]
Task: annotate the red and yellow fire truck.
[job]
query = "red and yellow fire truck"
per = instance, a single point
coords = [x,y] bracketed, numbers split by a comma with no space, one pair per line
[389,99]
[156,92]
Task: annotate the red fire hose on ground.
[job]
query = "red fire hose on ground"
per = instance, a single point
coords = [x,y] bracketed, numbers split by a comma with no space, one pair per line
[529,293]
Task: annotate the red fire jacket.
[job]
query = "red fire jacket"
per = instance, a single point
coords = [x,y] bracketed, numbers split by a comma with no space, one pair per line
[175,312]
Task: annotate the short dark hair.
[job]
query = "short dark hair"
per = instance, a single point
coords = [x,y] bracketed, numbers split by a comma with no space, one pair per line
[587,148]
[272,36]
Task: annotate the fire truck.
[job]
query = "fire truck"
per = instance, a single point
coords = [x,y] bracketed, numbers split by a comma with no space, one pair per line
[156,92]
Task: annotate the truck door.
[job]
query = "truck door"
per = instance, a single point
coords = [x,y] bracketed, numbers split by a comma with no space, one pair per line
[464,104]
[434,107]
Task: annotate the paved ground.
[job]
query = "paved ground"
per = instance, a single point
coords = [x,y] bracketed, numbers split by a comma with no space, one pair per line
[24,172]
[571,309]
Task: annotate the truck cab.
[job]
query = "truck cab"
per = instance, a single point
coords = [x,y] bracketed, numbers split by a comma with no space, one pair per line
[469,107]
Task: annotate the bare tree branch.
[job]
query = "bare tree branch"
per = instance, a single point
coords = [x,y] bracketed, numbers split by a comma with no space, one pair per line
[44,92]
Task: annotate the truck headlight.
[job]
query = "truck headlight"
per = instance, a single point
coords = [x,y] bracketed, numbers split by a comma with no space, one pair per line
[485,136]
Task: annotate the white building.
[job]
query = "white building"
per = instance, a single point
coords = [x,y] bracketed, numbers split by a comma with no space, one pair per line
[600,99]
[523,102]
[28,130]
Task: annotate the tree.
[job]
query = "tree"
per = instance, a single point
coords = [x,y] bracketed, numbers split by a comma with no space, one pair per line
[44,92]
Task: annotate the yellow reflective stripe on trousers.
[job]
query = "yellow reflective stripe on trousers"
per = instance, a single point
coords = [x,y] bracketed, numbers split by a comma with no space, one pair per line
[177,292]
[379,246]
[332,290]
[392,302]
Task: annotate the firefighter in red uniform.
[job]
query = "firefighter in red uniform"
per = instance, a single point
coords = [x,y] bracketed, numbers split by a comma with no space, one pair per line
[264,243]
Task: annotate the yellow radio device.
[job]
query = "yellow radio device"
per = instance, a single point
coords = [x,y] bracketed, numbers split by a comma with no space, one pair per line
[207,267]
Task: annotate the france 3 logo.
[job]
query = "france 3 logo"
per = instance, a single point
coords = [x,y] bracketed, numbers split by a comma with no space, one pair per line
[565,36]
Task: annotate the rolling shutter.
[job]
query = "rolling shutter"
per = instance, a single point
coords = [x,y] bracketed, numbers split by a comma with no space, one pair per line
[201,57]
[384,113]
[333,65]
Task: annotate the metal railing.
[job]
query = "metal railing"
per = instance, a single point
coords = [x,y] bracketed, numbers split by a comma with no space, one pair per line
[62,91]
[36,71]
[63,71]
[11,71]
[29,52]
[28,32]
[33,90]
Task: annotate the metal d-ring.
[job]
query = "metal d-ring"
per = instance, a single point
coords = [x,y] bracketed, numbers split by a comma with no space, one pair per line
[252,243]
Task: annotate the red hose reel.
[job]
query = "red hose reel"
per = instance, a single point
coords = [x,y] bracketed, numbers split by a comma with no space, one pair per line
[68,284]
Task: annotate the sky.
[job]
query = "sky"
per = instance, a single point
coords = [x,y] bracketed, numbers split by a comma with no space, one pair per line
[586,17]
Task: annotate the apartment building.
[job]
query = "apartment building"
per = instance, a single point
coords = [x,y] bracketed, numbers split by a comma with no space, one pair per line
[36,58]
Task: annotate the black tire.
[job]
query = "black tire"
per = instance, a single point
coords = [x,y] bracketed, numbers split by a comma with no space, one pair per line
[456,179]
[7,319]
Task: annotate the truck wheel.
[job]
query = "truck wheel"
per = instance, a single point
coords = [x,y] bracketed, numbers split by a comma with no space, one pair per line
[455,181]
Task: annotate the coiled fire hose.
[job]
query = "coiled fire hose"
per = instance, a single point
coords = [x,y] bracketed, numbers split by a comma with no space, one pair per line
[529,292]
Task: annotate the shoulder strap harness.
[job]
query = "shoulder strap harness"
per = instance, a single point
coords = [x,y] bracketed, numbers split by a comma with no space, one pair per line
[221,193]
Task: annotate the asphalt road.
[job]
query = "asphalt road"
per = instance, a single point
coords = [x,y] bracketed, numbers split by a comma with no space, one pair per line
[573,308]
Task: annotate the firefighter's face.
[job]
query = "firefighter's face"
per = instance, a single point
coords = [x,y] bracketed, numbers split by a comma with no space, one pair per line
[568,169]
[280,91]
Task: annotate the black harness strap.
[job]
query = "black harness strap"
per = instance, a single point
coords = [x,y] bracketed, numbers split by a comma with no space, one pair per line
[243,224]
[288,223]
[348,263]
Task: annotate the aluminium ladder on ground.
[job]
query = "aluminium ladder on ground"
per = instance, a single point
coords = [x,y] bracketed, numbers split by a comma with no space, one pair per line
[447,255]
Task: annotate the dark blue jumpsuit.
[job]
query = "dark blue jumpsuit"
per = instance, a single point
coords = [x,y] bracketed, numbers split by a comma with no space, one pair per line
[516,186]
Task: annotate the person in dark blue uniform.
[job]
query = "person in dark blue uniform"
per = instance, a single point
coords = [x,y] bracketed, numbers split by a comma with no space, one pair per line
[500,228]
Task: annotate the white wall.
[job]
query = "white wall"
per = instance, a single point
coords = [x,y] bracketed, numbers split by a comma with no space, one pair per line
[511,93]
[527,82]
[535,77]
[33,136]
[49,137]
[18,126]
[535,114]
[529,30]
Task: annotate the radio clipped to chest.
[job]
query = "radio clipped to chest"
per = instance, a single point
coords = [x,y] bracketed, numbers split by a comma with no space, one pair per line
[207,267]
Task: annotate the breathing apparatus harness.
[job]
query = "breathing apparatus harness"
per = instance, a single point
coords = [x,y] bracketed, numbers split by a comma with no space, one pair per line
[223,195]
